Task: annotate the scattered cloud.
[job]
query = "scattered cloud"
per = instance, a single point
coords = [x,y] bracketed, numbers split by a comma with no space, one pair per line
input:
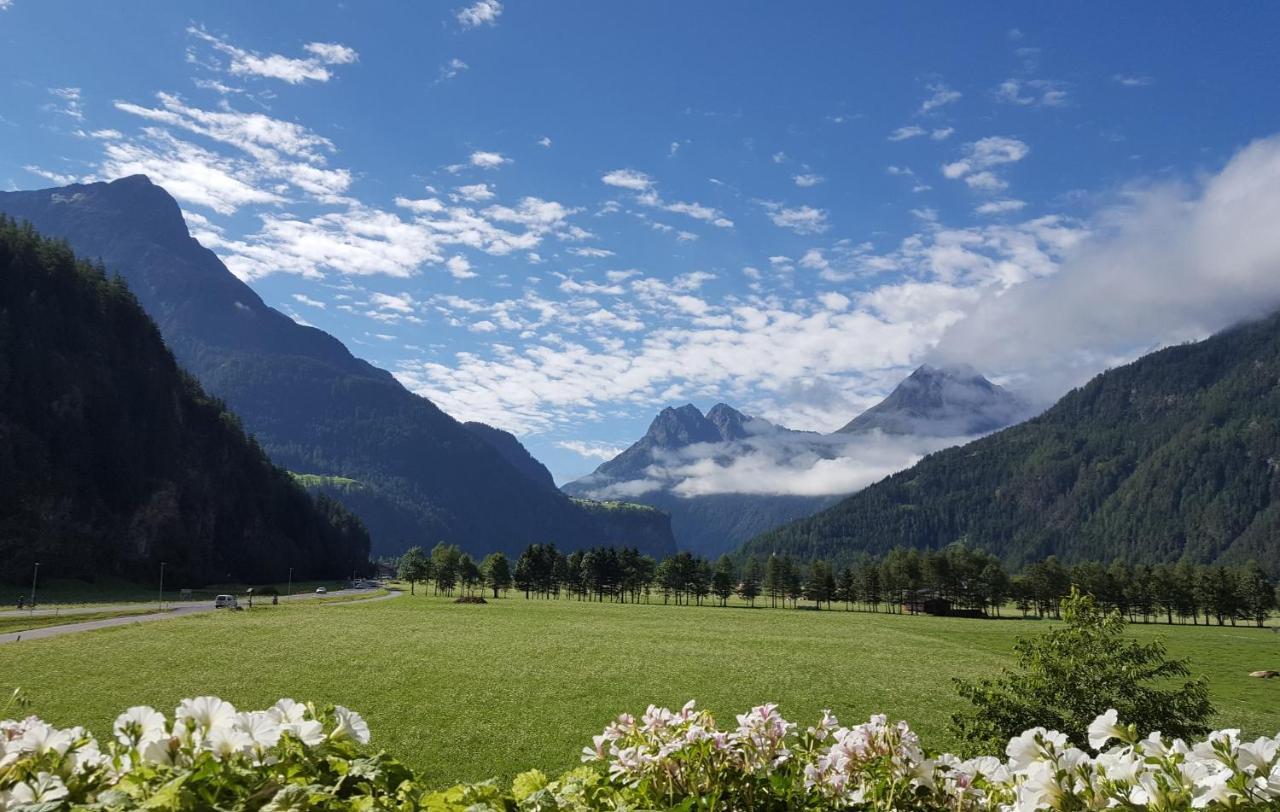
[981,157]
[1032,92]
[808,179]
[1005,206]
[591,451]
[68,103]
[488,160]
[484,12]
[1131,80]
[544,141]
[940,96]
[801,220]
[628,179]
[451,69]
[292,70]
[903,133]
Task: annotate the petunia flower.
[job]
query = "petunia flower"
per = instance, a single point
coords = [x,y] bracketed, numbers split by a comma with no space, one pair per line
[350,725]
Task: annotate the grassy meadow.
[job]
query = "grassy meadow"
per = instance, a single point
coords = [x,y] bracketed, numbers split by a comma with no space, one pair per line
[466,692]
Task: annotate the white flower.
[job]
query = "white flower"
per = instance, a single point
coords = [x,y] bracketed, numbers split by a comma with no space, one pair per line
[41,737]
[289,712]
[157,751]
[206,712]
[350,725]
[1029,746]
[43,788]
[224,741]
[1105,728]
[261,727]
[138,725]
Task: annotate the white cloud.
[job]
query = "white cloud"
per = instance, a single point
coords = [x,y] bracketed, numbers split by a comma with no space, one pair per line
[69,102]
[807,180]
[595,253]
[940,96]
[451,69]
[903,133]
[475,192]
[596,451]
[544,141]
[459,267]
[647,195]
[293,70]
[627,179]
[308,301]
[488,160]
[1032,92]
[802,219]
[484,12]
[1128,80]
[981,156]
[1168,264]
[942,133]
[1000,207]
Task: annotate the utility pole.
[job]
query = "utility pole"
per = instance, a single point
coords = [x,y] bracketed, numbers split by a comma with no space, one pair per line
[291,580]
[160,597]
[34,576]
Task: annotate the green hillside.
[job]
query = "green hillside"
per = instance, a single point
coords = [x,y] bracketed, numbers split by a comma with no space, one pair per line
[1172,457]
[112,459]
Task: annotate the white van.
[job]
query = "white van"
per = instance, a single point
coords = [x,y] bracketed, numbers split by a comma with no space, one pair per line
[225,602]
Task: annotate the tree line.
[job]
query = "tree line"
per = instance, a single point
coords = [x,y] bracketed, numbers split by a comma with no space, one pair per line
[953,580]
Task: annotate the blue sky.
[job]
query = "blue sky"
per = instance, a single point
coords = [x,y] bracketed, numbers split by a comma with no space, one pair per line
[560,217]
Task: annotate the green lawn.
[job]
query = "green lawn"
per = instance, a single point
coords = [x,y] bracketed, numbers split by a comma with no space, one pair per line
[468,691]
[21,623]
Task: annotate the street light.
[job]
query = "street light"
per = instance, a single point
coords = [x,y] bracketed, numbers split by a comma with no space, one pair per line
[160,597]
[34,576]
[291,580]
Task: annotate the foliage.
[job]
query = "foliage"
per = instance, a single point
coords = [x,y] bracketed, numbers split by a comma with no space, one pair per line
[1069,675]
[1168,459]
[112,459]
[295,757]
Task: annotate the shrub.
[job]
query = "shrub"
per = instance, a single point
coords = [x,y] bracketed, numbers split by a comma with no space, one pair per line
[1067,676]
[296,757]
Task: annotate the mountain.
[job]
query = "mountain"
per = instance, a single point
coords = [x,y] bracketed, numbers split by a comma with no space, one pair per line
[112,459]
[942,402]
[513,452]
[1175,456]
[927,410]
[316,409]
[712,523]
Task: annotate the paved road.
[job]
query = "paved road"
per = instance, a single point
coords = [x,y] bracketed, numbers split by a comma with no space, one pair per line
[177,611]
[47,610]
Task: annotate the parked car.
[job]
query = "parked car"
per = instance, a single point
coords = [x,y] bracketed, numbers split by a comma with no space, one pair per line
[321,590]
[225,602]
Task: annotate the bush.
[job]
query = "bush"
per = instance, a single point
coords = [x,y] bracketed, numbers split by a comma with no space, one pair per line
[1067,676]
[296,757]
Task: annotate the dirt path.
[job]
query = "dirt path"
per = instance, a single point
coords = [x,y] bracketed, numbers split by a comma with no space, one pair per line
[179,611]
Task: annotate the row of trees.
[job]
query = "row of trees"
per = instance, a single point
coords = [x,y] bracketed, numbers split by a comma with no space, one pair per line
[953,579]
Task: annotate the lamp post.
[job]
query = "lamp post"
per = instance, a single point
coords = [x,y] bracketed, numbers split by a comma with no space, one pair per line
[291,580]
[34,576]
[160,596]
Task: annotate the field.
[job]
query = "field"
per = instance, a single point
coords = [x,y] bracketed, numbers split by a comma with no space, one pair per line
[469,691]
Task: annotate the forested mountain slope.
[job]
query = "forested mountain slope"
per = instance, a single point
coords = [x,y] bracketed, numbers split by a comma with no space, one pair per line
[1174,456]
[314,407]
[112,459]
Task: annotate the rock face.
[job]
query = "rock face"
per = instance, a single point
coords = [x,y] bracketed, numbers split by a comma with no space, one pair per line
[314,407]
[942,402]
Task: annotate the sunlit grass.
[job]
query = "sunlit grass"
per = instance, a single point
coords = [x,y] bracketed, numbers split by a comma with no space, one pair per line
[468,691]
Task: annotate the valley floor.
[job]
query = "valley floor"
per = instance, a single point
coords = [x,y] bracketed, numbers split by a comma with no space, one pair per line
[471,691]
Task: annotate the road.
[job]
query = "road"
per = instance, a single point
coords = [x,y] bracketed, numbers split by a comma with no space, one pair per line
[177,610]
